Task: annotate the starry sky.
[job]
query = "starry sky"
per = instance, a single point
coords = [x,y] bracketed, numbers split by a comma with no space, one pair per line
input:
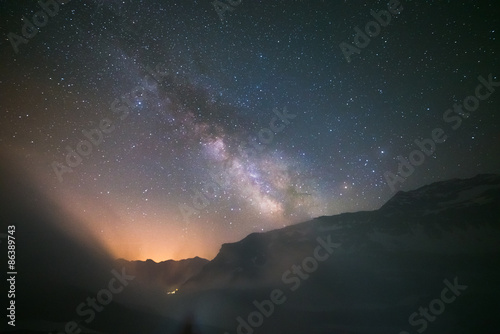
[170,127]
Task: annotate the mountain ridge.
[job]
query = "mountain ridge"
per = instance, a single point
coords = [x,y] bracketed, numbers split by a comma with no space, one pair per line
[419,218]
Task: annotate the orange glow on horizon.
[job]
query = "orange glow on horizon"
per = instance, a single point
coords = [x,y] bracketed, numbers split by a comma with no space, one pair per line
[160,245]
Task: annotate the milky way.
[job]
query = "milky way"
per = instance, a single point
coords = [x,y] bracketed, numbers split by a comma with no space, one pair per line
[186,131]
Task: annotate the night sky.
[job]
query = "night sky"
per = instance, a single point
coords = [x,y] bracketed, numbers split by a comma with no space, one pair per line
[169,131]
